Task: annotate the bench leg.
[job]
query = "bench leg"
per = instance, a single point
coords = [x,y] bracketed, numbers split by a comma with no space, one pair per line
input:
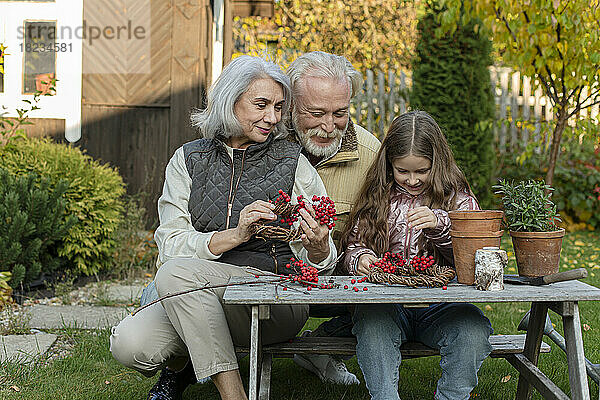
[265,377]
[575,355]
[533,341]
[255,350]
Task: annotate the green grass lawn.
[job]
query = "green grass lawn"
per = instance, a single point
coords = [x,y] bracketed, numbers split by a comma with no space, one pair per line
[91,372]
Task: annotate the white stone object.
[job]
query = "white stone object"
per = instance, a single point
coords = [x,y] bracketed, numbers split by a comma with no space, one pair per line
[489,268]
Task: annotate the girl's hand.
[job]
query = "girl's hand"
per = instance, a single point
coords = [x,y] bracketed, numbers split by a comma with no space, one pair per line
[363,264]
[421,218]
[315,238]
[253,212]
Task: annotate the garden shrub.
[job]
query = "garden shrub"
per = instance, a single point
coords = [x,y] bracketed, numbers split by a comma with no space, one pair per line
[576,178]
[136,251]
[93,196]
[34,222]
[451,81]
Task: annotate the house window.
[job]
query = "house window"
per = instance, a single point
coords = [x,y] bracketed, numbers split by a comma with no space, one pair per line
[39,61]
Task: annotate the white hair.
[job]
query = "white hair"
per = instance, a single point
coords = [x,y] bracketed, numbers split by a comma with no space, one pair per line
[319,64]
[218,118]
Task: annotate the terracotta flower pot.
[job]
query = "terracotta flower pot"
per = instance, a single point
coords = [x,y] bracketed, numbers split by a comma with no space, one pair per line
[537,253]
[464,245]
[476,220]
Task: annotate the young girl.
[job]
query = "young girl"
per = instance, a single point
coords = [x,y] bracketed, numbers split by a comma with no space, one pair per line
[403,207]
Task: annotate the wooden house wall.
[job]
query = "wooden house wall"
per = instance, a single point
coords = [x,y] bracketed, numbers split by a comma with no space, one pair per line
[136,121]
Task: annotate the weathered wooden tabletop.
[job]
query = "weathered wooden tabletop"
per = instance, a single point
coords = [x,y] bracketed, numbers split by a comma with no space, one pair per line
[274,293]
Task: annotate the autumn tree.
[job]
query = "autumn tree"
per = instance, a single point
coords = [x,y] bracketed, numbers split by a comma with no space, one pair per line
[557,41]
[372,34]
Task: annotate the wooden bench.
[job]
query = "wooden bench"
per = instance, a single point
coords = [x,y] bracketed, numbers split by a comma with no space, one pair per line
[503,346]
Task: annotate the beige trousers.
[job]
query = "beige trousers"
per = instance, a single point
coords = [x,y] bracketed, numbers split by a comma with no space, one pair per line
[196,326]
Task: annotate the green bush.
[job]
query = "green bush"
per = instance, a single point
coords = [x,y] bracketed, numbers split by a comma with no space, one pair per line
[136,251]
[34,222]
[576,178]
[93,196]
[451,82]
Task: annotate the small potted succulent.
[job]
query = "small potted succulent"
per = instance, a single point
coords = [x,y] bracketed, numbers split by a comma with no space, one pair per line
[531,219]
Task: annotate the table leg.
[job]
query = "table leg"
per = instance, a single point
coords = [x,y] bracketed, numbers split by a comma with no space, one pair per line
[533,341]
[575,354]
[254,355]
[265,377]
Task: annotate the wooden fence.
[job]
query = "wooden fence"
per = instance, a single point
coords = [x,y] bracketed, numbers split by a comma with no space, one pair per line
[522,109]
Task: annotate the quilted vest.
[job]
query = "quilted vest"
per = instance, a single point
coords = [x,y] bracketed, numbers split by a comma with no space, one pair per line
[220,189]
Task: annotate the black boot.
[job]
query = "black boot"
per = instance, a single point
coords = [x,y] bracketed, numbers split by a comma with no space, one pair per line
[171,385]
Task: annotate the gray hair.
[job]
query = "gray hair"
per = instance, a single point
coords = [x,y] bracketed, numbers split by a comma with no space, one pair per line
[218,118]
[323,65]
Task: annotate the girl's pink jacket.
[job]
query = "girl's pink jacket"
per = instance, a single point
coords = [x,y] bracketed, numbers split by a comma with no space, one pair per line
[404,240]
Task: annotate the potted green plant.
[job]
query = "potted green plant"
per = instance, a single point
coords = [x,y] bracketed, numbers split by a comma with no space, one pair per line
[531,219]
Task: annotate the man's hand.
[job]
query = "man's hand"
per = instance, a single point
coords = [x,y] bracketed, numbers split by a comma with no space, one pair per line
[253,212]
[421,218]
[315,237]
[363,264]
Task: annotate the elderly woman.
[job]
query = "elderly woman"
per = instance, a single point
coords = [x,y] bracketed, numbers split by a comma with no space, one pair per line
[215,187]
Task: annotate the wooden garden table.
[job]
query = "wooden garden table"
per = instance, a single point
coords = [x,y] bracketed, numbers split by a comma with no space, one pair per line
[561,297]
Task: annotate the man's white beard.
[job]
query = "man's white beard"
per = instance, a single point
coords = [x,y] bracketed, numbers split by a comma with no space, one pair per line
[313,148]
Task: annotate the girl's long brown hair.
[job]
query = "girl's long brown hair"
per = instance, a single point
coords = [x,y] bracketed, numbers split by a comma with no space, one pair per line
[415,133]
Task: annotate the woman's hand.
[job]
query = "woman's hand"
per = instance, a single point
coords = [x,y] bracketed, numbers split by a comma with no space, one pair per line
[315,238]
[363,264]
[421,218]
[253,212]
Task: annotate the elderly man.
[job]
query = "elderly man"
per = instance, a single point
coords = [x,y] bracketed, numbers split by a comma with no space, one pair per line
[322,86]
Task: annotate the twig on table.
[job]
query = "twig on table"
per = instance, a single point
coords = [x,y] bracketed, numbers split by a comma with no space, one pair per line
[295,289]
[206,286]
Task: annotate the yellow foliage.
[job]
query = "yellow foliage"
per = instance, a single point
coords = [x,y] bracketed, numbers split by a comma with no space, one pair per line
[5,289]
[571,226]
[372,34]
[2,53]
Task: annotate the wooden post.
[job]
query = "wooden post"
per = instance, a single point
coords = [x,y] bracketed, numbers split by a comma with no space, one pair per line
[494,83]
[392,98]
[227,31]
[381,102]
[502,112]
[584,112]
[514,107]
[526,110]
[533,341]
[370,106]
[595,107]
[358,98]
[402,89]
[575,355]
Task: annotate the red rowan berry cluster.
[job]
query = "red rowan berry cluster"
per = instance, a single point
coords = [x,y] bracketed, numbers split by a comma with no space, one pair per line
[324,210]
[285,198]
[323,206]
[422,263]
[390,262]
[302,273]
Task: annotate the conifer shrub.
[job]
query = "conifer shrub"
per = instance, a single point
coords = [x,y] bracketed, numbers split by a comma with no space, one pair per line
[34,223]
[451,81]
[94,197]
